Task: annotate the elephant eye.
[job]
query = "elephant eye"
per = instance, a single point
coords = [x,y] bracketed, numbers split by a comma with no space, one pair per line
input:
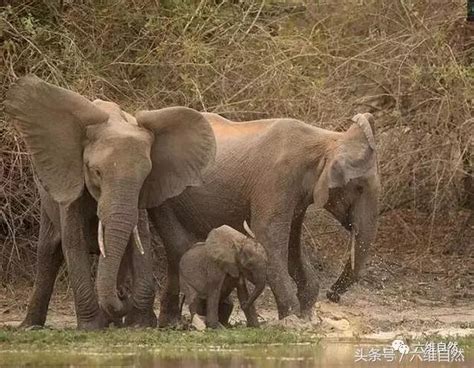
[94,171]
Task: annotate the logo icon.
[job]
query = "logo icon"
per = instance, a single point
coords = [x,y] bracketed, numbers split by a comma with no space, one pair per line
[401,347]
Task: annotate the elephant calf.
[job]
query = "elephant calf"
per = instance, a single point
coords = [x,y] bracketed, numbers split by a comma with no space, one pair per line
[211,270]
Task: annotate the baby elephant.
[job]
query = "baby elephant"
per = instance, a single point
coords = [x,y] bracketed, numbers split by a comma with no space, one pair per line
[211,270]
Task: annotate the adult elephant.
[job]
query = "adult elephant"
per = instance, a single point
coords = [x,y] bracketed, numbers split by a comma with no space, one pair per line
[268,172]
[96,166]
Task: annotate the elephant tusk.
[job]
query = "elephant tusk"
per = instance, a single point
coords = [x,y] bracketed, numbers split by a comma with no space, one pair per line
[100,239]
[138,242]
[247,229]
[353,238]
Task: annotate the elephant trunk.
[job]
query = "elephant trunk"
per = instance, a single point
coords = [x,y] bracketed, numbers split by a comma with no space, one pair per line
[363,230]
[119,221]
[362,238]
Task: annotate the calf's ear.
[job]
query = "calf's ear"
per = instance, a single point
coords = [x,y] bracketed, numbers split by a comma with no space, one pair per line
[223,244]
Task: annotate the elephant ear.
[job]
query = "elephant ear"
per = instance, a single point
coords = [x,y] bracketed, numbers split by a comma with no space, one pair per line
[354,156]
[52,121]
[224,245]
[183,147]
[251,254]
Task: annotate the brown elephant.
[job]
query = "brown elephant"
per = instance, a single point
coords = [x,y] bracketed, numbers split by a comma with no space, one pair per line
[96,166]
[211,270]
[268,172]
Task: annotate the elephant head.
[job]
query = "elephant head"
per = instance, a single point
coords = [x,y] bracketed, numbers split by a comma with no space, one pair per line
[125,163]
[348,187]
[240,257]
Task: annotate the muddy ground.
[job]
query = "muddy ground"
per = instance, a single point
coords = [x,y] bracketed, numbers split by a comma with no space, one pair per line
[407,289]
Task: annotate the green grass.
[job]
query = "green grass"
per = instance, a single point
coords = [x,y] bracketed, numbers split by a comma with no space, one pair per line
[16,339]
[467,343]
[155,347]
[69,338]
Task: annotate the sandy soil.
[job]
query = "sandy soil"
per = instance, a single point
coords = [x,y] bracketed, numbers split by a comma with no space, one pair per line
[361,314]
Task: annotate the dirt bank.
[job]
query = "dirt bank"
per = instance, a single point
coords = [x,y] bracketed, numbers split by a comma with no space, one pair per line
[362,314]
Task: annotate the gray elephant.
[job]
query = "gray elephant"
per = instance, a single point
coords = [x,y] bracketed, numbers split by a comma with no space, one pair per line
[268,172]
[211,270]
[96,167]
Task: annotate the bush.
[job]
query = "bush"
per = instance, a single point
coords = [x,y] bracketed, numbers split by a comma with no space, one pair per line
[408,62]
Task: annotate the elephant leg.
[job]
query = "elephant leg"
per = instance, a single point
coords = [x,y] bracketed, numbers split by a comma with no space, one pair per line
[193,307]
[226,306]
[76,252]
[250,313]
[212,304]
[201,308]
[272,228]
[176,240]
[169,304]
[301,269]
[282,285]
[48,261]
[143,291]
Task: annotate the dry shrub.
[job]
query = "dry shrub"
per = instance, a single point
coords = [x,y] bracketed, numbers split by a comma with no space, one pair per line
[408,62]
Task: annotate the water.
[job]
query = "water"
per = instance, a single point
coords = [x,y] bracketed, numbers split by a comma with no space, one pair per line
[326,355]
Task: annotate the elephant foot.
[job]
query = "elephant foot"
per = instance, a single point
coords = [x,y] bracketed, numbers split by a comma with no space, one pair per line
[30,323]
[225,310]
[116,322]
[306,314]
[197,323]
[215,326]
[285,310]
[30,327]
[99,322]
[333,296]
[253,322]
[170,311]
[35,328]
[141,318]
[169,320]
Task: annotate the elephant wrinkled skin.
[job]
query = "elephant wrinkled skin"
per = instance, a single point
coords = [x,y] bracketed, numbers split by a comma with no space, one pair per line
[96,166]
[268,172]
[210,271]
